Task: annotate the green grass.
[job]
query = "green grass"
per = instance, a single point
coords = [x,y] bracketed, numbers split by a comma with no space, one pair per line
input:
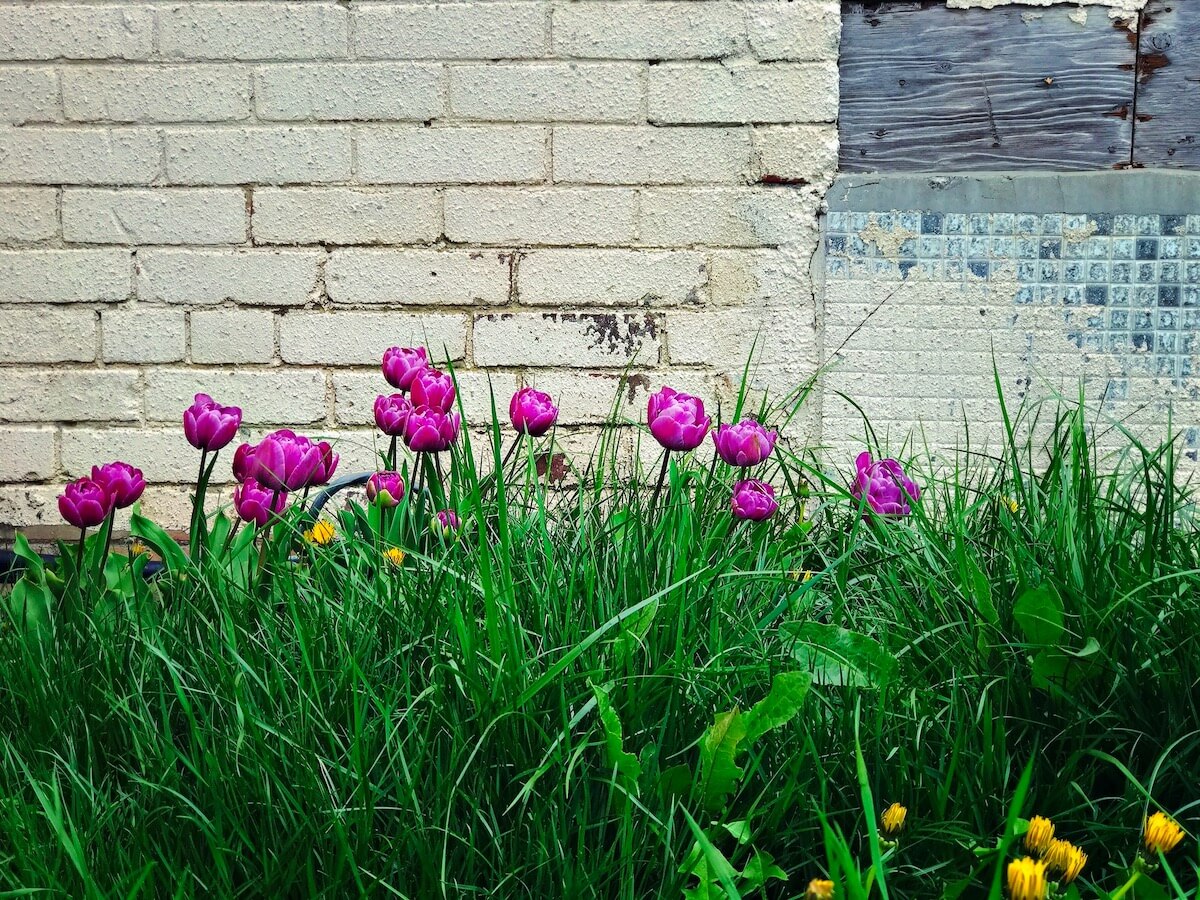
[527,712]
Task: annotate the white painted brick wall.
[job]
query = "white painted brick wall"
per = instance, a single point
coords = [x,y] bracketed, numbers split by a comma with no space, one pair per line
[254,199]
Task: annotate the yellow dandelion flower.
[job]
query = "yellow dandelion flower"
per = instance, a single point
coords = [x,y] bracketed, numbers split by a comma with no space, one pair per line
[137,548]
[321,534]
[1066,859]
[1039,835]
[892,820]
[801,575]
[395,556]
[1027,879]
[819,889]
[1010,504]
[1161,833]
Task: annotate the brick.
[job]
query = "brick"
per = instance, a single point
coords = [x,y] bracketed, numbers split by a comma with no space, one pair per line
[160,216]
[458,155]
[797,153]
[268,277]
[69,395]
[780,337]
[349,92]
[547,92]
[28,214]
[263,155]
[140,334]
[355,394]
[758,277]
[46,31]
[40,334]
[252,30]
[794,31]
[266,396]
[27,454]
[580,340]
[22,506]
[346,216]
[156,93]
[163,454]
[540,216]
[79,156]
[612,277]
[64,276]
[664,30]
[633,155]
[450,30]
[359,338]
[764,92]
[28,94]
[727,217]
[233,336]
[445,277]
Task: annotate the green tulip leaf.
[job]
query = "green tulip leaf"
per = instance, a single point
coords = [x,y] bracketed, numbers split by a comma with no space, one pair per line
[172,555]
[837,656]
[1039,614]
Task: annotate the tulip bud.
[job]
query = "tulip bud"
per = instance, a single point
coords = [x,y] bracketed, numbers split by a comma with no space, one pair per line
[745,444]
[84,503]
[886,488]
[445,524]
[532,412]
[402,364]
[286,460]
[753,500]
[391,412]
[253,502]
[385,488]
[430,430]
[433,389]
[677,420]
[327,466]
[243,462]
[209,426]
[122,481]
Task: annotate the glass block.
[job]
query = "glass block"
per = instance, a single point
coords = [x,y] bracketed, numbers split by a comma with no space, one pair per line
[1173,224]
[1170,248]
[1049,293]
[886,221]
[836,221]
[1118,318]
[978,267]
[1026,248]
[1191,300]
[908,247]
[929,246]
[1003,223]
[956,246]
[1122,273]
[1097,271]
[1099,248]
[1002,248]
[1143,340]
[1031,225]
[1074,222]
[856,246]
[1193,224]
[1103,223]
[955,268]
[1024,296]
[977,247]
[1165,366]
[1147,248]
[836,267]
[1049,271]
[1191,273]
[1168,321]
[1168,295]
[1118,342]
[906,266]
[1169,271]
[1119,295]
[1145,297]
[931,223]
[1075,250]
[1073,295]
[836,244]
[1124,225]
[1073,272]
[930,269]
[1145,272]
[979,223]
[1050,248]
[1096,294]
[911,221]
[859,221]
[1027,270]
[1123,248]
[1148,225]
[954,223]
[1052,223]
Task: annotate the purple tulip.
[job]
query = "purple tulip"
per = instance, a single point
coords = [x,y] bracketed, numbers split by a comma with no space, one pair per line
[286,460]
[433,389]
[402,364]
[445,524]
[430,430]
[745,444]
[886,488]
[208,425]
[84,503]
[243,462]
[677,420]
[328,465]
[122,481]
[385,488]
[753,500]
[532,412]
[253,502]
[391,412]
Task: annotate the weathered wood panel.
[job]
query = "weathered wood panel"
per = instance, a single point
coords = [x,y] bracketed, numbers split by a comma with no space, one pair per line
[925,88]
[1167,130]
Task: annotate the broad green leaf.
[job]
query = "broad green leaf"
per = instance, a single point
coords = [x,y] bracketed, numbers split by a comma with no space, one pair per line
[739,830]
[1063,668]
[172,555]
[1039,614]
[676,781]
[981,593]
[35,567]
[618,757]
[838,656]
[781,704]
[30,604]
[719,772]
[759,870]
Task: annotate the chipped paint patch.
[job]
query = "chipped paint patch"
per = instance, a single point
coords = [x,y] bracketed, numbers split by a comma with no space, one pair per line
[1117,8]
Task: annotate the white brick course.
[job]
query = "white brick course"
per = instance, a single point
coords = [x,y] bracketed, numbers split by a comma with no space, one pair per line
[135,333]
[347,215]
[264,155]
[26,454]
[47,334]
[28,94]
[28,214]
[547,92]
[314,29]
[584,340]
[349,92]
[232,336]
[473,155]
[70,395]
[770,92]
[64,276]
[559,215]
[163,454]
[745,217]
[359,338]
[266,396]
[435,277]
[164,216]
[612,277]
[50,31]
[641,155]
[152,93]
[700,29]
[34,155]
[260,277]
[450,30]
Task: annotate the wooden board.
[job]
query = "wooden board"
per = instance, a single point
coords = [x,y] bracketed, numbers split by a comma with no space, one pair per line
[925,88]
[1167,128]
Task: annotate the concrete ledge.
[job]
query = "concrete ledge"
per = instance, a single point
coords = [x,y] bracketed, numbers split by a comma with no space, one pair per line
[1144,192]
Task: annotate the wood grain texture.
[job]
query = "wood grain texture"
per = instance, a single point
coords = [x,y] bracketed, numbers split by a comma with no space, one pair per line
[925,88]
[1167,127]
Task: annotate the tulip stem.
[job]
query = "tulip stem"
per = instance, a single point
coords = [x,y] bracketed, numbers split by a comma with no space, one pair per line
[194,543]
[662,477]
[391,457]
[108,530]
[79,561]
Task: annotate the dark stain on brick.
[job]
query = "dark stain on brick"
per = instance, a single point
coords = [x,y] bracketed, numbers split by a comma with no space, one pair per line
[555,464]
[783,180]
